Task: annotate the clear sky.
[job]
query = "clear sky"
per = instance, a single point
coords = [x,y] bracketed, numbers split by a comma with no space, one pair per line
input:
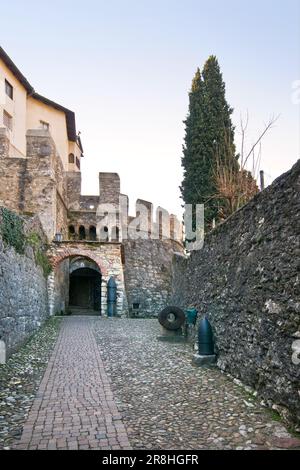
[125,68]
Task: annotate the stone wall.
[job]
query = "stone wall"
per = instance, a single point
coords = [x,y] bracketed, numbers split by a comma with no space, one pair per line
[73,189]
[23,292]
[148,265]
[58,288]
[246,279]
[82,218]
[109,188]
[35,184]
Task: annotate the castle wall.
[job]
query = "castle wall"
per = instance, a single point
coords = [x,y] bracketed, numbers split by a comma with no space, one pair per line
[89,202]
[23,293]
[81,218]
[58,288]
[246,280]
[109,188]
[148,265]
[12,171]
[73,182]
[35,184]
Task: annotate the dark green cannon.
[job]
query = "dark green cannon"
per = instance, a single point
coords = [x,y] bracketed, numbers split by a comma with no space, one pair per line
[205,338]
[111,297]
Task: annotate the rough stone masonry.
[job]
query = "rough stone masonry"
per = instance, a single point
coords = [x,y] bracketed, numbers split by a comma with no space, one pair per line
[246,279]
[23,292]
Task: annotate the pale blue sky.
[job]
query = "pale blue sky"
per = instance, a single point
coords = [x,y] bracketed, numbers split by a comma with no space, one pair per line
[125,68]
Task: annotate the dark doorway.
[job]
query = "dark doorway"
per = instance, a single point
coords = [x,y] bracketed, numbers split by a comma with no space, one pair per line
[81,232]
[93,233]
[85,290]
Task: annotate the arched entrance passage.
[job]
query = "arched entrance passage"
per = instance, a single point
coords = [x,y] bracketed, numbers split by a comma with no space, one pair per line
[84,286]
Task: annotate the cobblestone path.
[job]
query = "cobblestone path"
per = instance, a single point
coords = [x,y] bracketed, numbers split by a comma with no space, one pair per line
[111,385]
[74,407]
[167,403]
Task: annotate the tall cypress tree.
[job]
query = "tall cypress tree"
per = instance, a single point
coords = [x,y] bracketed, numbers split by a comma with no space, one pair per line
[194,139]
[209,139]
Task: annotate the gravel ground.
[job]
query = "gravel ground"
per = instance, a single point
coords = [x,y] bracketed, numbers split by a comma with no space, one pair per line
[167,403]
[20,378]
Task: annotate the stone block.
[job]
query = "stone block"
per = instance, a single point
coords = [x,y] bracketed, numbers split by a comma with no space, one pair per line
[204,361]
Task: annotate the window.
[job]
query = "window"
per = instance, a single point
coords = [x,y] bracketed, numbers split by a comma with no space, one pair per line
[81,232]
[71,232]
[7,120]
[9,90]
[93,233]
[78,163]
[71,158]
[45,125]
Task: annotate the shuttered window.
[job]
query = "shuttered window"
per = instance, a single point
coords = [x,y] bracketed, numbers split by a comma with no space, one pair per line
[9,90]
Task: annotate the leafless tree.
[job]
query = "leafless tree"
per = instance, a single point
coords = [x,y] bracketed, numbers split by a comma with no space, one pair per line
[235,184]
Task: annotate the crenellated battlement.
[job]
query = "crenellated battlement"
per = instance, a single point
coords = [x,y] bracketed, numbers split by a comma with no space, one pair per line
[106,217]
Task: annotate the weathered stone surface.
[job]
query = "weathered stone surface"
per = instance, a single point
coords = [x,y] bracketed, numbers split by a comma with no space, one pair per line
[148,265]
[202,361]
[35,184]
[107,256]
[246,280]
[167,403]
[23,296]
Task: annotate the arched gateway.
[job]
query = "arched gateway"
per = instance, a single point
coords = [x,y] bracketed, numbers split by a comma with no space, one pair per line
[84,286]
[78,281]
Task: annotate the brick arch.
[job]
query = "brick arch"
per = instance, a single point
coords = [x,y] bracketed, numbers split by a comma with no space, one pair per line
[56,256]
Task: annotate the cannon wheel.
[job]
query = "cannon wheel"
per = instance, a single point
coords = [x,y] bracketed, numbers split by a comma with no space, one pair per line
[171,318]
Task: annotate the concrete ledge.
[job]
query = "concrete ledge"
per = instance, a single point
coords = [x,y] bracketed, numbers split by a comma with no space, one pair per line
[38,133]
[204,361]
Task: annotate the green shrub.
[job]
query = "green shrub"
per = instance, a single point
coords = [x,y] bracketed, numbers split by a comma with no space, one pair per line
[34,240]
[42,260]
[12,230]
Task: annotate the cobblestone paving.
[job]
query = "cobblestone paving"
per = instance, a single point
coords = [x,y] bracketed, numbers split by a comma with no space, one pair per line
[167,403]
[74,407]
[20,378]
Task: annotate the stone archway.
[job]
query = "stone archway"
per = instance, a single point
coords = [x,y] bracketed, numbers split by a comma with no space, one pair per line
[85,281]
[76,285]
[66,256]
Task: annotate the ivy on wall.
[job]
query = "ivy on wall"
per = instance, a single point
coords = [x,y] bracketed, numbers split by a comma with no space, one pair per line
[41,259]
[12,232]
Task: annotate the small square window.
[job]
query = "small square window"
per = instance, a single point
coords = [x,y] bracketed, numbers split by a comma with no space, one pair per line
[9,90]
[45,125]
[7,120]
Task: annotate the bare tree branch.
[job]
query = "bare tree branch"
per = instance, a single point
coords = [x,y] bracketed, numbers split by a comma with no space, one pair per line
[267,128]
